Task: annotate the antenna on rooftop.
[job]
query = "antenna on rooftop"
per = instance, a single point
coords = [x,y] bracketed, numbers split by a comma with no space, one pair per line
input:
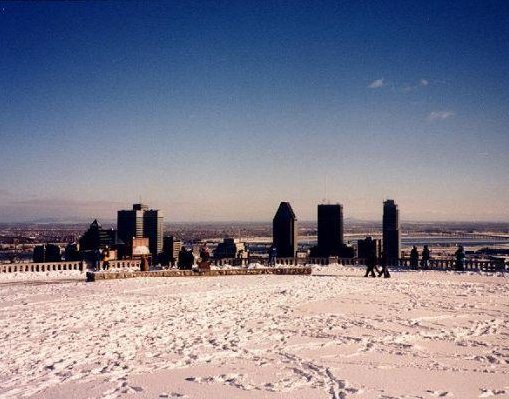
[325,199]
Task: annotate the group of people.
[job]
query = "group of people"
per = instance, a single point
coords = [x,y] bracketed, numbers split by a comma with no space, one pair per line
[371,267]
[424,263]
[414,257]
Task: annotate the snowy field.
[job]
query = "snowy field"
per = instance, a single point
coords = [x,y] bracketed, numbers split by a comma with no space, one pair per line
[331,335]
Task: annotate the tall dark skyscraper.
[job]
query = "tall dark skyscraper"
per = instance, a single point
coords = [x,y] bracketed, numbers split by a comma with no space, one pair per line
[284,231]
[391,240]
[330,229]
[153,230]
[141,222]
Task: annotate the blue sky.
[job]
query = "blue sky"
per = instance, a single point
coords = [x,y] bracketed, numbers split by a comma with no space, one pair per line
[219,110]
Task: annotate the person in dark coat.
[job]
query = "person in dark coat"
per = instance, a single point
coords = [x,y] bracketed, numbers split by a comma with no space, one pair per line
[185,259]
[371,262]
[414,257]
[425,257]
[460,258]
[385,270]
[272,255]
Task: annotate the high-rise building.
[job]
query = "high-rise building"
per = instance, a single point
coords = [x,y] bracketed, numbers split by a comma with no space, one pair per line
[330,229]
[171,249]
[153,230]
[96,238]
[284,231]
[141,222]
[230,248]
[47,253]
[130,224]
[72,252]
[391,239]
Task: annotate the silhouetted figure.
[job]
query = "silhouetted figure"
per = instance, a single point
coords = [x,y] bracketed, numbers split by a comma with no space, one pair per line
[371,265]
[185,259]
[204,258]
[385,270]
[460,258]
[425,257]
[414,257]
[204,253]
[144,264]
[272,255]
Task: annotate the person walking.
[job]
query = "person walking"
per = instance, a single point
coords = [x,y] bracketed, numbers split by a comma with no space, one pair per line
[371,262]
[425,257]
[414,258]
[385,270]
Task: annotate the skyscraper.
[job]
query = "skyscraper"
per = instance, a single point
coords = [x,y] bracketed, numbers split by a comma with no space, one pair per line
[153,230]
[284,231]
[330,229]
[141,222]
[171,249]
[391,239]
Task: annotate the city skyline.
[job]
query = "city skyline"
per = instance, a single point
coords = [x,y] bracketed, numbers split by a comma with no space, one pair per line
[218,112]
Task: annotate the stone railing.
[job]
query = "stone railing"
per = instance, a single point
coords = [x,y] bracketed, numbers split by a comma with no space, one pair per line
[109,275]
[41,267]
[129,264]
[240,262]
[450,264]
[66,266]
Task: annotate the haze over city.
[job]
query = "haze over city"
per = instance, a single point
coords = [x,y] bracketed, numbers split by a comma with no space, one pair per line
[219,111]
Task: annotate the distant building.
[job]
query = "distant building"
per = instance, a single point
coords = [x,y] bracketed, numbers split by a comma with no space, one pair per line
[330,229]
[142,222]
[72,253]
[96,238]
[284,231]
[153,230]
[47,253]
[171,249]
[369,248]
[230,248]
[330,233]
[391,239]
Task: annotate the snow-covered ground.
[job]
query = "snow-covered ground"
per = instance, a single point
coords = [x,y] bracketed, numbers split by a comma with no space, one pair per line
[334,334]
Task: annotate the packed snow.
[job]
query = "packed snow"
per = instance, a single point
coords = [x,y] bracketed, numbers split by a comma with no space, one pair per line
[334,334]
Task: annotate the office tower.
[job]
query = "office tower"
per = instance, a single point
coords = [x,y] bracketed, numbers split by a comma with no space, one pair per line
[369,248]
[153,230]
[72,252]
[391,239]
[171,249]
[130,223]
[330,229]
[96,238]
[47,253]
[141,222]
[230,248]
[284,231]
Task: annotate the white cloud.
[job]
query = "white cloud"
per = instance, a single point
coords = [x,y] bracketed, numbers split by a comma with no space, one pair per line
[440,115]
[424,82]
[376,84]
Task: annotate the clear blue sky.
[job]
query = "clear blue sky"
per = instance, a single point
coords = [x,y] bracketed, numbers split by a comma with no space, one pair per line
[219,110]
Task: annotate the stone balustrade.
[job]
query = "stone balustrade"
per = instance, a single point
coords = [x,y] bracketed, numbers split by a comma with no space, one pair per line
[129,265]
[113,275]
[41,267]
